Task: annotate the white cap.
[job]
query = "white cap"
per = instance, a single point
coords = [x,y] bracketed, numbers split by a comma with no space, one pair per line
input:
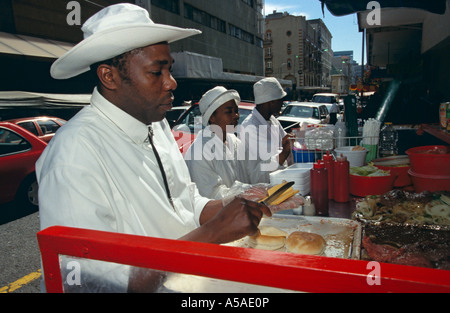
[268,89]
[213,99]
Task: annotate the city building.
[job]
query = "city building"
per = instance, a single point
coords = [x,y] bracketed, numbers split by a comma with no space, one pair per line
[299,50]
[35,33]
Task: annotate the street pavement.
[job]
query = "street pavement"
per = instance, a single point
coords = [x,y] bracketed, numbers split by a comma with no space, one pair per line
[19,251]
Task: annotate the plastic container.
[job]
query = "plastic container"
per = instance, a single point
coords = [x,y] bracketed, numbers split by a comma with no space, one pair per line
[448,116]
[443,107]
[388,140]
[303,156]
[299,173]
[340,132]
[328,160]
[429,182]
[355,158]
[362,186]
[341,179]
[402,177]
[430,160]
[319,188]
[308,207]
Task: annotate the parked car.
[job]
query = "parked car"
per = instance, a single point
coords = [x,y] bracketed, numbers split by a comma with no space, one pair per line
[44,127]
[174,114]
[19,150]
[190,123]
[328,99]
[297,113]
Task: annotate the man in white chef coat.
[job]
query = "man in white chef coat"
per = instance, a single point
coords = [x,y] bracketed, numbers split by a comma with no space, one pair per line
[267,146]
[115,166]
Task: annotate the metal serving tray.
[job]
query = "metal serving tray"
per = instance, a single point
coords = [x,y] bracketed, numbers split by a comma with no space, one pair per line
[343,236]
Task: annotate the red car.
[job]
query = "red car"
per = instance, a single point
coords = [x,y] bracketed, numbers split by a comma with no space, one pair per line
[44,127]
[190,123]
[19,150]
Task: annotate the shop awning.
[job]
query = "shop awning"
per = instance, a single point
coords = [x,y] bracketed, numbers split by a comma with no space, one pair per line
[344,7]
[10,99]
[16,44]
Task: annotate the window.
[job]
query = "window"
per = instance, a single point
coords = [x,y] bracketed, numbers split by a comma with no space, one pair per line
[48,126]
[259,42]
[204,18]
[169,5]
[11,143]
[289,48]
[192,120]
[29,126]
[241,34]
[268,35]
[288,33]
[249,2]
[218,24]
[316,114]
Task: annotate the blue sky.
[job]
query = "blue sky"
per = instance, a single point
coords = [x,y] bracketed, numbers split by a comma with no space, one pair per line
[344,29]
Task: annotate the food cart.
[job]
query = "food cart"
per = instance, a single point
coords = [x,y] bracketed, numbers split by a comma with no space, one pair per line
[348,264]
[246,269]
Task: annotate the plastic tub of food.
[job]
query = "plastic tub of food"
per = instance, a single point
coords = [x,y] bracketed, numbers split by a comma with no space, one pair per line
[362,186]
[402,177]
[430,160]
[423,182]
[356,155]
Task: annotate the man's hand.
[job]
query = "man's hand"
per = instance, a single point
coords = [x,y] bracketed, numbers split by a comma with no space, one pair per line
[236,220]
[286,144]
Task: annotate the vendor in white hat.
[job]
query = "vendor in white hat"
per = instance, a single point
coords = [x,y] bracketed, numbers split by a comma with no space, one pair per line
[212,158]
[266,144]
[115,166]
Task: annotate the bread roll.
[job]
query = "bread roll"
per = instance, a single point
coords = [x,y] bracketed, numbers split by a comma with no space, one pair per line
[305,243]
[271,231]
[267,238]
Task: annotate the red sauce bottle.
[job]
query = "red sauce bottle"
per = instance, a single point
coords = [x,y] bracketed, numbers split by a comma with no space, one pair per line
[328,160]
[341,179]
[319,188]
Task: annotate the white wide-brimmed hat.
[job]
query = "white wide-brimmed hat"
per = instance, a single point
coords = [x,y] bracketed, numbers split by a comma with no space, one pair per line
[112,31]
[213,99]
[268,89]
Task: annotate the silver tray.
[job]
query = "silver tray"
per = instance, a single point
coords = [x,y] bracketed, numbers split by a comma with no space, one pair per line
[342,236]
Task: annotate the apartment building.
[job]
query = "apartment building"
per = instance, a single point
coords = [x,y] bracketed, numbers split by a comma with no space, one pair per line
[298,50]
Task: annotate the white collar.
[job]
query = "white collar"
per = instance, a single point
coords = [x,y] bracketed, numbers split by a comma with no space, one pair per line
[133,128]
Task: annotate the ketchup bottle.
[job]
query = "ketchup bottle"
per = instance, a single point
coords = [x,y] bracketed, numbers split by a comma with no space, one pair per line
[328,160]
[319,188]
[341,179]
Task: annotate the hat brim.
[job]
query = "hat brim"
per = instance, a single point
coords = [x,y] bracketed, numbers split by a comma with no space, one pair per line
[218,102]
[113,42]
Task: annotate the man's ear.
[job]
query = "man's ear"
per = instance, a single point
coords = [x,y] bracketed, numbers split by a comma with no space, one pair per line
[108,76]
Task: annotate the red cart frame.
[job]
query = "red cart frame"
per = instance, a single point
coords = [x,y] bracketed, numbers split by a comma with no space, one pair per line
[282,270]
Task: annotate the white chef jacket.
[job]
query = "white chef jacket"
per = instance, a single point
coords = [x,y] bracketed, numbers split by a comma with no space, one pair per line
[214,166]
[262,141]
[99,172]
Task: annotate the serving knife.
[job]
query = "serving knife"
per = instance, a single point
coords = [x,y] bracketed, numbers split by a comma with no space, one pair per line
[267,201]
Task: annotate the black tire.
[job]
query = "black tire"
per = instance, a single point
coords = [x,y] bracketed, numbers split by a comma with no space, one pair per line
[27,195]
